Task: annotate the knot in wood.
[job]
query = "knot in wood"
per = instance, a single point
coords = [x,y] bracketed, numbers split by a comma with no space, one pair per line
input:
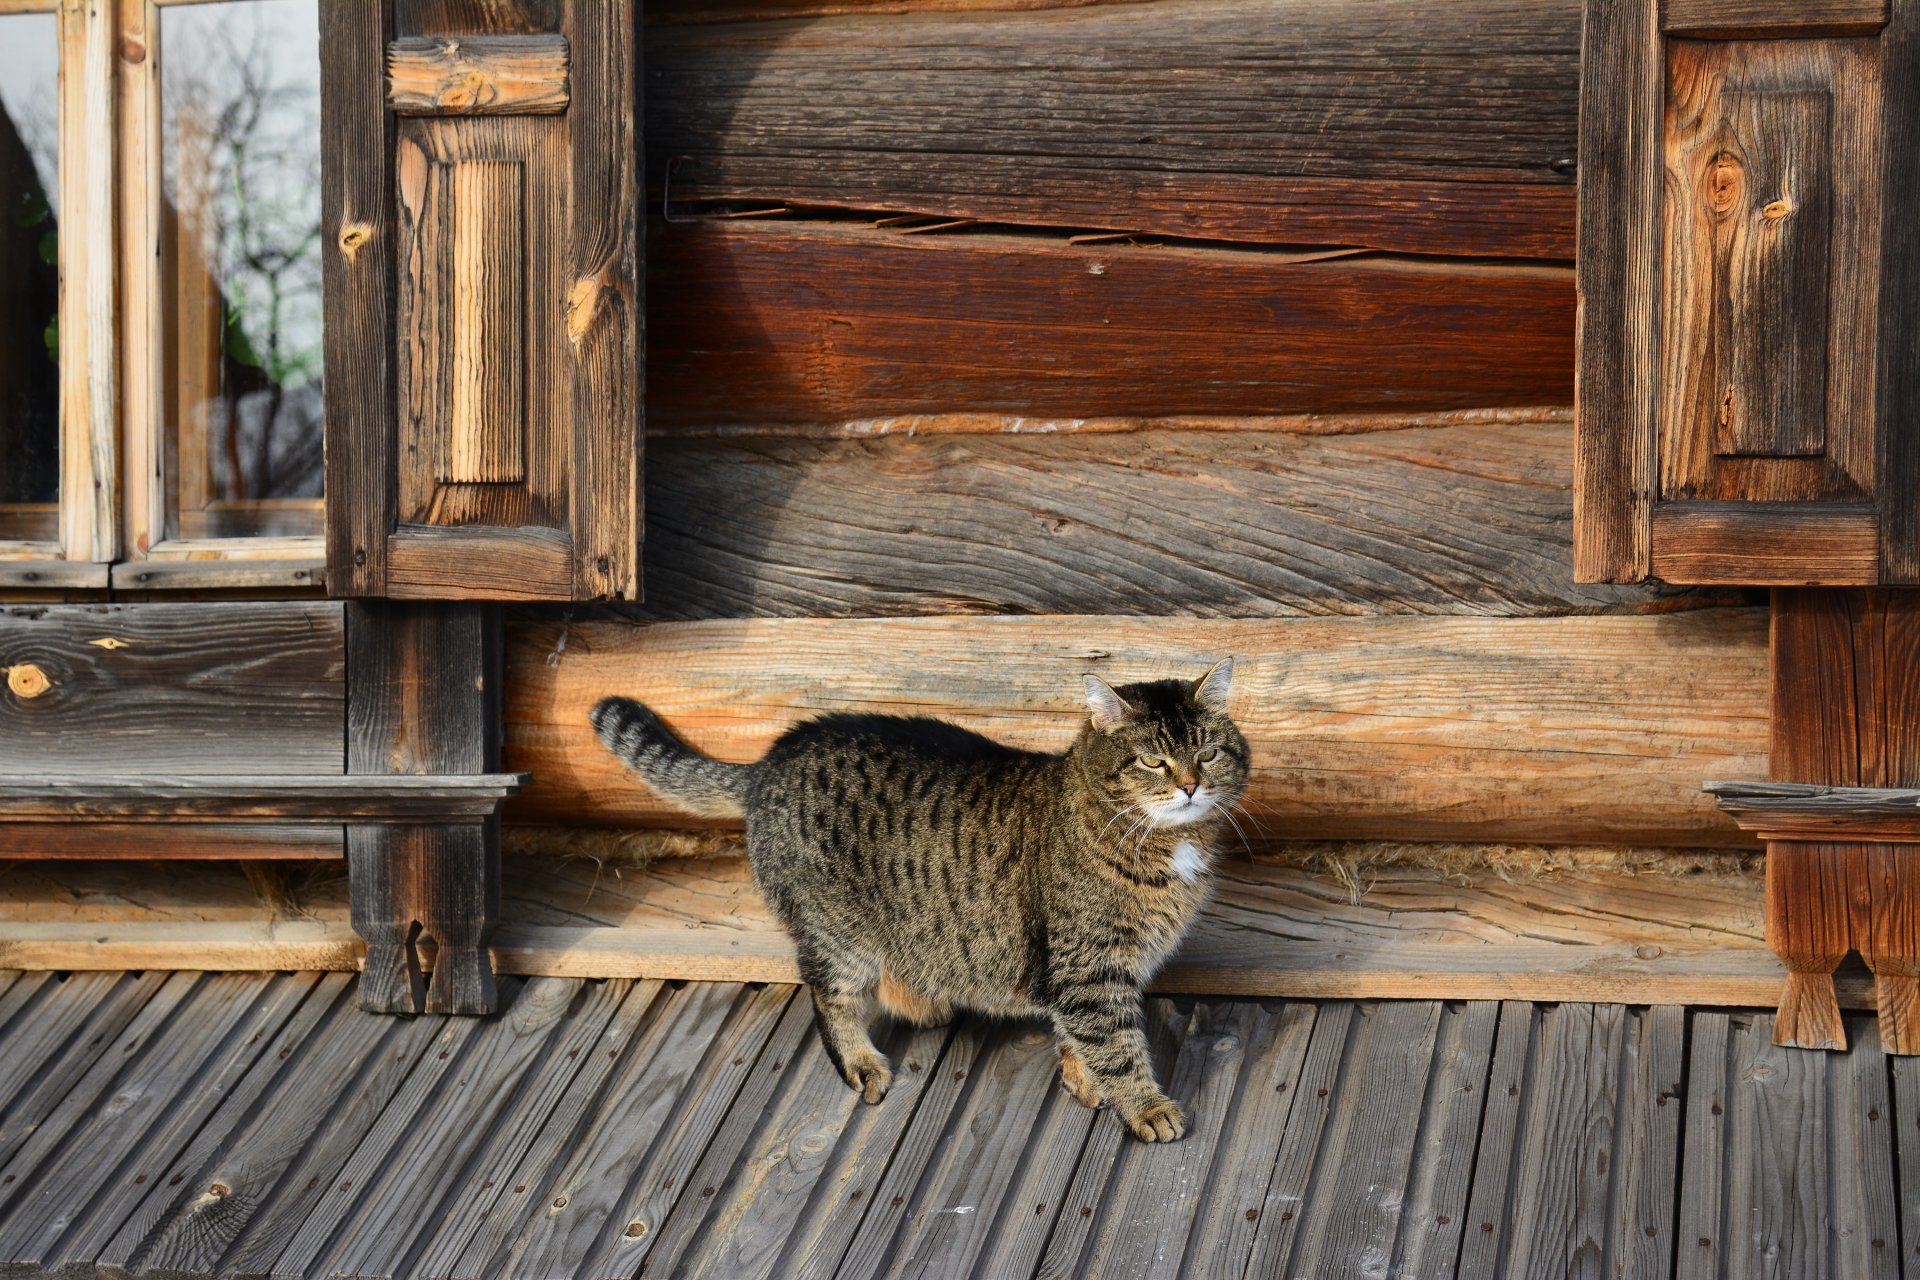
[27,680]
[352,236]
[1725,177]
[132,51]
[465,91]
[1776,210]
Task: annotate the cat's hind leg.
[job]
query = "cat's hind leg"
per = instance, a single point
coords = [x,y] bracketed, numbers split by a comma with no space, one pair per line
[901,1001]
[842,983]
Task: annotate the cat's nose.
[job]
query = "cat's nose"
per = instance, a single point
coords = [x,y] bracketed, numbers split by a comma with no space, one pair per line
[1190,787]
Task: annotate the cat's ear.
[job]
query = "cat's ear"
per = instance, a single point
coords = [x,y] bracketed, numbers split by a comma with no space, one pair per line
[1108,707]
[1210,690]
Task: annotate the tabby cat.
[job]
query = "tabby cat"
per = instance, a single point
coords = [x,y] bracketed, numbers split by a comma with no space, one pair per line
[933,868]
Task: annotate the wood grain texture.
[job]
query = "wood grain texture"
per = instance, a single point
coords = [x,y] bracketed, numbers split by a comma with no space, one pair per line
[1295,126]
[1035,326]
[233,798]
[1765,544]
[1434,1218]
[1767,344]
[1807,927]
[358,261]
[483,438]
[1846,688]
[173,688]
[1461,519]
[1613,476]
[1801,19]
[478,75]
[1898,463]
[1575,729]
[474,562]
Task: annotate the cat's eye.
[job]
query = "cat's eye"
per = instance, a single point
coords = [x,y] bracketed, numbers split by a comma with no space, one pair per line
[1209,755]
[1151,762]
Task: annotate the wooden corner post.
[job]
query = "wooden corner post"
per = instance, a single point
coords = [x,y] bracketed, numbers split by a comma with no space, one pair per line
[423,697]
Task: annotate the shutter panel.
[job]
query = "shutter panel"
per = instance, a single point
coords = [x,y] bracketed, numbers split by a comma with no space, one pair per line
[483,292]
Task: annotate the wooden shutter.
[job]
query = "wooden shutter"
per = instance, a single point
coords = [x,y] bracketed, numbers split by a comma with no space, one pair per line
[483,293]
[1748,282]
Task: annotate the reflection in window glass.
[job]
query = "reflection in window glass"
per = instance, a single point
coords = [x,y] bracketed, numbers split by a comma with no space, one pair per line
[240,262]
[29,278]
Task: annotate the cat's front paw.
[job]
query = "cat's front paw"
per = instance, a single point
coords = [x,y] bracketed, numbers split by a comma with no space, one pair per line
[1161,1120]
[869,1075]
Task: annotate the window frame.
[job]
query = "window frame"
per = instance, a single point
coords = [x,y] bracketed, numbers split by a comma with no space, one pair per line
[88,527]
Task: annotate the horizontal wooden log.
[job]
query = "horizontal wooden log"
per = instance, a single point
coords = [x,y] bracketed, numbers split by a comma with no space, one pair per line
[405,798]
[1392,124]
[814,322]
[173,688]
[1784,544]
[1802,19]
[146,841]
[1578,729]
[1473,518]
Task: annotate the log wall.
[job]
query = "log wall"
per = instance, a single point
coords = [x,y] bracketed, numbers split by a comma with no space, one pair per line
[991,341]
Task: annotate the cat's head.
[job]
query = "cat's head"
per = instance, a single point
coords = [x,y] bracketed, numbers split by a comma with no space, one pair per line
[1166,750]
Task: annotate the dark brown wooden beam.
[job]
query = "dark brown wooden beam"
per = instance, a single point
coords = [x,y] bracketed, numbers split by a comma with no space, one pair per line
[234,798]
[1393,124]
[810,322]
[1467,518]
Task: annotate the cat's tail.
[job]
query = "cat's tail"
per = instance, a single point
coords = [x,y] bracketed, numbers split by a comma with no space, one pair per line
[698,783]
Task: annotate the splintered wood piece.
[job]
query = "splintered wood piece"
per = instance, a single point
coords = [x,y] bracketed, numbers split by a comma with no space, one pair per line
[1808,927]
[478,75]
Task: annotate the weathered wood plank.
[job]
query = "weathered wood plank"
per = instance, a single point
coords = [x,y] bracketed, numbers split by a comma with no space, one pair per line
[280,1163]
[503,1191]
[270,799]
[1461,519]
[1434,1219]
[1156,1196]
[1490,1224]
[1580,729]
[1276,1050]
[920,324]
[1897,468]
[172,688]
[1906,1118]
[478,75]
[1779,1188]
[1295,121]
[81,1194]
[1277,1229]
[638,1109]
[1701,1240]
[175,1189]
[1366,1158]
[144,841]
[1647,1154]
[18,992]
[464,1121]
[1866,1216]
[760,1018]
[687,1176]
[1728,19]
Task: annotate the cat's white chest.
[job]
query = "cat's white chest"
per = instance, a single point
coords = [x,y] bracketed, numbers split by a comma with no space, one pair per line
[1188,860]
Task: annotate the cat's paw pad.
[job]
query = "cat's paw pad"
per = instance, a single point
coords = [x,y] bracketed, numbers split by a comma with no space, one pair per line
[1161,1120]
[869,1075]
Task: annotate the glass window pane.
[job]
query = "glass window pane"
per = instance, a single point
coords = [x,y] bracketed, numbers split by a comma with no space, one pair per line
[240,266]
[29,278]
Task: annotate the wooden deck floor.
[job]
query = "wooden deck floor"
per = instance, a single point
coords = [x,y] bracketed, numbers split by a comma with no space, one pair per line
[259,1124]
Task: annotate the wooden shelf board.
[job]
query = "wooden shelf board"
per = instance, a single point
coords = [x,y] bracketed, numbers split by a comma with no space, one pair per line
[1272,930]
[223,798]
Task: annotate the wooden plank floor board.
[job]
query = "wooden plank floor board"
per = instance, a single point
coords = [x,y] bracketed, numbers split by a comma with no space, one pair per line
[193,1126]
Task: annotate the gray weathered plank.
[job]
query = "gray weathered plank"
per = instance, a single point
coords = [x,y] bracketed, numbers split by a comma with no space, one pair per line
[577,1045]
[1779,1192]
[1278,1227]
[638,1108]
[706,1105]
[1436,1208]
[105,1167]
[767,1210]
[254,688]
[374,1149]
[16,989]
[1366,1163]
[64,1008]
[1560,1200]
[381,1233]
[1490,1224]
[172,1188]
[1157,1191]
[1700,1237]
[970,1177]
[1646,1160]
[892,1203]
[503,1188]
[1906,1145]
[1205,523]
[121,1026]
[247,1201]
[1866,1216]
[1054,1149]
[1249,1144]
